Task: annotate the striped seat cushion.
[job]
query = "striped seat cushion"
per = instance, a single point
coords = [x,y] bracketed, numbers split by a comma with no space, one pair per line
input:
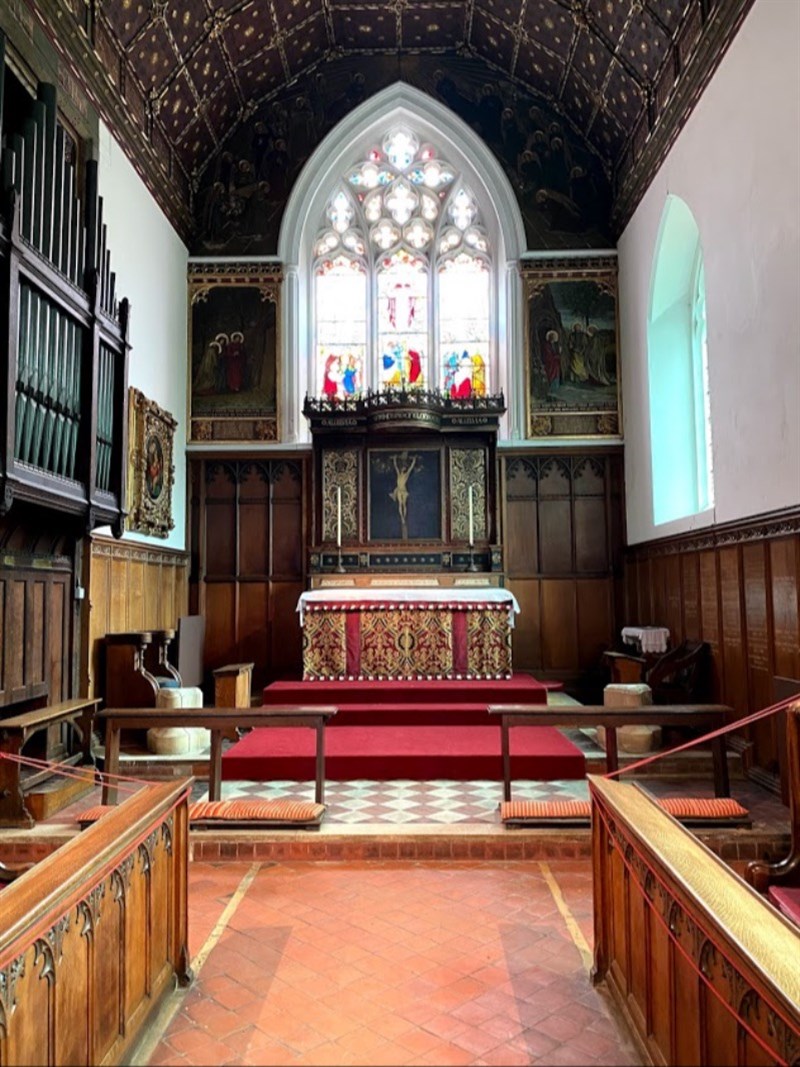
[296,812]
[86,818]
[687,809]
[561,811]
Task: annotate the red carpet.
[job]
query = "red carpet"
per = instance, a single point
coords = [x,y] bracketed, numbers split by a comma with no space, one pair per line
[419,753]
[428,703]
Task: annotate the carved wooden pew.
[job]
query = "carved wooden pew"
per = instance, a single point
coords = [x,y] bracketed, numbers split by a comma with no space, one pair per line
[95,936]
[781,880]
[17,730]
[704,971]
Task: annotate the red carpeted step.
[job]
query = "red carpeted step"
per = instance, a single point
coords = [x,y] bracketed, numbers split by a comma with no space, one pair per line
[409,703]
[382,753]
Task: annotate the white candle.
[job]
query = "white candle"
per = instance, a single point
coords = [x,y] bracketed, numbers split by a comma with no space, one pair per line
[338,516]
[471,520]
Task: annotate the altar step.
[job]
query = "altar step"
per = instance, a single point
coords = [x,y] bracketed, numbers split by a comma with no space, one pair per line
[416,753]
[434,702]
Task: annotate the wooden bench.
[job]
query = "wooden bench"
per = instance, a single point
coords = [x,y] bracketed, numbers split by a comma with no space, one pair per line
[219,721]
[706,716]
[17,730]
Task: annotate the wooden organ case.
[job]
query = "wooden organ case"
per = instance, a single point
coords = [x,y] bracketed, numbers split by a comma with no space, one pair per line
[64,360]
[405,481]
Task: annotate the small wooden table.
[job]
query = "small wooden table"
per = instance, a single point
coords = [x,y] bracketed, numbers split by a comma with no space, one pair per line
[712,716]
[218,721]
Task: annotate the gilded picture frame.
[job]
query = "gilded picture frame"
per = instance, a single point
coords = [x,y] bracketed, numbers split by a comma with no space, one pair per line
[151,471]
[234,352]
[572,379]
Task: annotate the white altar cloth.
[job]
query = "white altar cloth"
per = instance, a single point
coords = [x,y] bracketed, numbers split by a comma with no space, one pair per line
[396,596]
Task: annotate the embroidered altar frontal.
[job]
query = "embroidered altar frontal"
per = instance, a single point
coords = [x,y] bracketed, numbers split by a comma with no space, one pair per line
[374,640]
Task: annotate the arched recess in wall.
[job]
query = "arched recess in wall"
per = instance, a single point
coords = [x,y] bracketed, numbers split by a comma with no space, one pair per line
[677,363]
[345,147]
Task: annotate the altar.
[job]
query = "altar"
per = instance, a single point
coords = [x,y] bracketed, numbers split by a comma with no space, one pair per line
[412,633]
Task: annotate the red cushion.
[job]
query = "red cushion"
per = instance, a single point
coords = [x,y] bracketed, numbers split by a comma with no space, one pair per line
[247,810]
[86,818]
[701,808]
[787,900]
[695,809]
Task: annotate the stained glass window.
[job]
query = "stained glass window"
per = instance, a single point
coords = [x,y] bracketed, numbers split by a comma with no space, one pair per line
[402,276]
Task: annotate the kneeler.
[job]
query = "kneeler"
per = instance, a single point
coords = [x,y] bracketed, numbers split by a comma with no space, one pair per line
[692,811]
[240,813]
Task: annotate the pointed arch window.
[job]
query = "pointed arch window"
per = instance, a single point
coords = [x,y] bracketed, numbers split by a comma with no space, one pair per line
[677,360]
[402,276]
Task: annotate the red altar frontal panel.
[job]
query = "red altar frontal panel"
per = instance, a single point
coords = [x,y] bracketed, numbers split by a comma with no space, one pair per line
[373,640]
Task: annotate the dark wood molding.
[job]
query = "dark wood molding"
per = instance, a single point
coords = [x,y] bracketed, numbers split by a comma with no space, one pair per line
[691,73]
[770,524]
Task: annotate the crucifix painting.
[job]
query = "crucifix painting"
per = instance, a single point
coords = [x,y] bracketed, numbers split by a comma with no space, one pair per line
[405,496]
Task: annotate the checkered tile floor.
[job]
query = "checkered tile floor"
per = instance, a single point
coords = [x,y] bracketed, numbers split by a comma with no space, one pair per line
[401,801]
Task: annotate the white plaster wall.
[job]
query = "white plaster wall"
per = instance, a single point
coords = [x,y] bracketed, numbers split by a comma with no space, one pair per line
[150,262]
[737,165]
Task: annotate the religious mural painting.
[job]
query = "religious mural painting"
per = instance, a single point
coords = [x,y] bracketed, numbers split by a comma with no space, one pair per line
[151,470]
[234,344]
[572,387]
[563,192]
[405,497]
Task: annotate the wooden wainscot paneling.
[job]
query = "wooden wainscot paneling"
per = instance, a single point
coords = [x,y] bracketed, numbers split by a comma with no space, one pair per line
[249,539]
[563,522]
[736,586]
[704,970]
[37,629]
[96,935]
[132,586]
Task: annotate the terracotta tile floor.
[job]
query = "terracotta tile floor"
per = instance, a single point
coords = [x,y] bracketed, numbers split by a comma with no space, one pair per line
[390,963]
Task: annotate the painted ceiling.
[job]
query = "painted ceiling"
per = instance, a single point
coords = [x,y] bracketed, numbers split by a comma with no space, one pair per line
[193,72]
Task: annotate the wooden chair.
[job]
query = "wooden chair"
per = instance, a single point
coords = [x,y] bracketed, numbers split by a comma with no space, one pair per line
[680,676]
[781,880]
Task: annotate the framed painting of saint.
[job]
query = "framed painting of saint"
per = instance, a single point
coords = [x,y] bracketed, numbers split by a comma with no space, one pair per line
[572,362]
[151,431]
[234,345]
[405,498]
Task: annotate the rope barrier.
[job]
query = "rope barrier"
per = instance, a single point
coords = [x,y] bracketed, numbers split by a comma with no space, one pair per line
[79,772]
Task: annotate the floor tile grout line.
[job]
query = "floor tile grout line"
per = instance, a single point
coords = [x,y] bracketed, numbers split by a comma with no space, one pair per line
[164,1017]
[571,922]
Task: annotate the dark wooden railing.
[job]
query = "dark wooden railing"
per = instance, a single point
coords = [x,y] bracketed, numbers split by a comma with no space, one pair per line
[95,935]
[704,970]
[63,427]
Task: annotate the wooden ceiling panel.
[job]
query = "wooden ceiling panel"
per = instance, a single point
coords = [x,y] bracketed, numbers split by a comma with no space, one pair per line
[624,97]
[177,106]
[591,59]
[187,23]
[290,13]
[507,11]
[248,32]
[208,68]
[126,19]
[493,39]
[153,56]
[433,26]
[261,74]
[546,22]
[644,46]
[306,45]
[356,27]
[186,74]
[541,67]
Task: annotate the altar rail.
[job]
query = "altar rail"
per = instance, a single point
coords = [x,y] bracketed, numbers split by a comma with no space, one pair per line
[703,969]
[95,934]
